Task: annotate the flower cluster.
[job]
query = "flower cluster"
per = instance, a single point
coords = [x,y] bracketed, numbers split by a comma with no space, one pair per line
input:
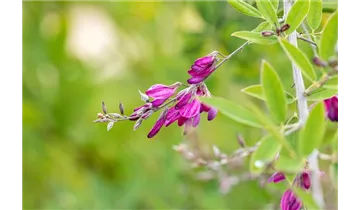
[289,201]
[183,107]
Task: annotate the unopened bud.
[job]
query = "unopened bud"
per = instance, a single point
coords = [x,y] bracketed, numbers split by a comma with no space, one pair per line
[121,108]
[103,106]
[241,140]
[137,124]
[318,62]
[267,33]
[284,27]
[147,114]
[100,115]
[144,97]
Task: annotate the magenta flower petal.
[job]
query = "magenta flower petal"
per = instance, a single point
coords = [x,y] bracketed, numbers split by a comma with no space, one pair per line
[204,107]
[277,177]
[212,113]
[172,116]
[183,100]
[158,102]
[191,109]
[196,120]
[205,61]
[158,125]
[197,68]
[331,106]
[289,201]
[160,91]
[305,180]
[181,121]
[195,80]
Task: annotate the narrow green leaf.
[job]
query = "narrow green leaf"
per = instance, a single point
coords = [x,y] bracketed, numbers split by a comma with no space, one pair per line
[333,170]
[334,142]
[306,198]
[257,92]
[322,94]
[332,83]
[245,8]
[267,10]
[234,111]
[269,147]
[297,14]
[274,92]
[262,27]
[312,134]
[255,37]
[315,14]
[275,4]
[289,165]
[329,37]
[299,58]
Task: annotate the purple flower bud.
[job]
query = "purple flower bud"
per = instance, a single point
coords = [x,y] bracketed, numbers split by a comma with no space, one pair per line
[201,69]
[204,107]
[277,177]
[195,80]
[182,120]
[331,106]
[196,120]
[146,106]
[205,61]
[289,201]
[305,180]
[191,109]
[285,27]
[267,33]
[212,113]
[160,91]
[158,102]
[158,125]
[172,116]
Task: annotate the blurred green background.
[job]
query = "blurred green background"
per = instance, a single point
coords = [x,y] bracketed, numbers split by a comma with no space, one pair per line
[77,54]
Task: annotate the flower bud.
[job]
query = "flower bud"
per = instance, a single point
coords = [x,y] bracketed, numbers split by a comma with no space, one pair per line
[267,33]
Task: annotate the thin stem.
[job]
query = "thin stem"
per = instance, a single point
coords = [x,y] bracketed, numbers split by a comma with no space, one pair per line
[303,114]
[310,38]
[233,53]
[307,40]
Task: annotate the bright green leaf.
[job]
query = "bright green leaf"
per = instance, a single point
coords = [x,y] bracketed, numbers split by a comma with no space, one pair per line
[274,92]
[245,8]
[312,134]
[267,10]
[329,37]
[297,14]
[334,142]
[321,94]
[332,83]
[257,92]
[299,58]
[315,14]
[234,111]
[262,27]
[269,147]
[289,165]
[333,170]
[306,198]
[275,4]
[255,37]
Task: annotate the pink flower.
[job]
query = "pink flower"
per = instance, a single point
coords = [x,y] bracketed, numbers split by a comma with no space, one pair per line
[160,93]
[202,68]
[277,177]
[289,201]
[158,125]
[331,105]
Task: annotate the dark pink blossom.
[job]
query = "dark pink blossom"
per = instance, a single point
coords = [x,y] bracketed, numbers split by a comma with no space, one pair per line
[331,105]
[158,125]
[160,93]
[304,180]
[202,68]
[289,201]
[277,177]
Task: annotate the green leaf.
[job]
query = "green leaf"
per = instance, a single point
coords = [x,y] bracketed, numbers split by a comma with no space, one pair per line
[274,92]
[267,10]
[262,27]
[312,134]
[299,58]
[334,142]
[257,92]
[255,37]
[315,14]
[275,4]
[234,111]
[306,198]
[245,8]
[269,147]
[289,165]
[333,170]
[321,94]
[329,37]
[332,83]
[297,14]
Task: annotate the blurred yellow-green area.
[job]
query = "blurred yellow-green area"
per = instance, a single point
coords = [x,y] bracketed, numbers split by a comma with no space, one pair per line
[77,54]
